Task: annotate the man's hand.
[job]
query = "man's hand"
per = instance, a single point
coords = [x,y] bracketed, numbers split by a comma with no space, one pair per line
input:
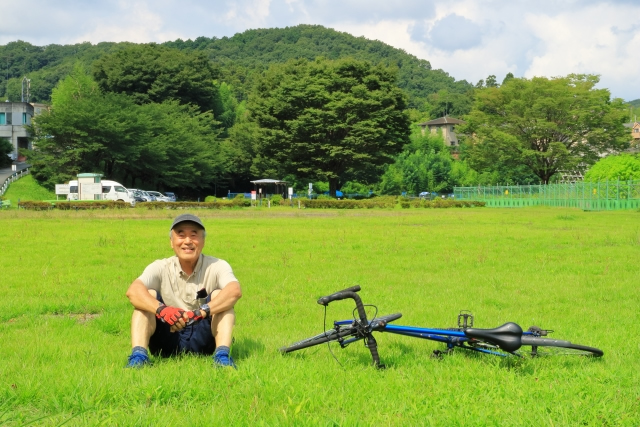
[193,316]
[169,315]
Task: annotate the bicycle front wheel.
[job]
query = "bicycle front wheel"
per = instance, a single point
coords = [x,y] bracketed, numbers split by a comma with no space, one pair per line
[328,336]
[551,347]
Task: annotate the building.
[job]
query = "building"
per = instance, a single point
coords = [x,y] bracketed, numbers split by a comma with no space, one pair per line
[13,118]
[445,124]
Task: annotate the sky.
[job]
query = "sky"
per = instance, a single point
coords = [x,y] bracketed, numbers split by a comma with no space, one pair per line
[469,39]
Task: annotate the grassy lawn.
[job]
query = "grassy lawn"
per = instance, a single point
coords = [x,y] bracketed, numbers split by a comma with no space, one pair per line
[26,188]
[65,320]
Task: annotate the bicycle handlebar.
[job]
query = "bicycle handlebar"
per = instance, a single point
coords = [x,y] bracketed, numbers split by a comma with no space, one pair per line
[340,295]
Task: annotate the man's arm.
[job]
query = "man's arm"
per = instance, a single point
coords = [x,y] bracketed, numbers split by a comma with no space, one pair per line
[226,298]
[140,297]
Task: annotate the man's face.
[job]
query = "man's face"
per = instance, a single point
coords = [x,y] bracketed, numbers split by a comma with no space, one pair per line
[187,241]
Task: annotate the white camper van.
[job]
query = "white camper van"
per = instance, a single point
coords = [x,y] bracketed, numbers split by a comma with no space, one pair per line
[111,190]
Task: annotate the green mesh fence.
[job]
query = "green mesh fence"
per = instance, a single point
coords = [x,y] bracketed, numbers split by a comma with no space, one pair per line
[607,195]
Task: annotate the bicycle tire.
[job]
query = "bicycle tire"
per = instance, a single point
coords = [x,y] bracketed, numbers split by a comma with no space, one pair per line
[328,336]
[552,347]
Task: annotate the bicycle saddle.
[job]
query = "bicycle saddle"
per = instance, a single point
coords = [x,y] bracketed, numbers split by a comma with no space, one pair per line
[508,336]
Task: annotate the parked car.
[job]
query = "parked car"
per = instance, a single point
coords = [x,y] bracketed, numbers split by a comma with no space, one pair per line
[427,195]
[160,197]
[171,195]
[136,195]
[144,195]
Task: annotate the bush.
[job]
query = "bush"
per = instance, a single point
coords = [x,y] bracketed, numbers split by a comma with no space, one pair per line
[388,202]
[276,200]
[34,205]
[107,204]
[210,199]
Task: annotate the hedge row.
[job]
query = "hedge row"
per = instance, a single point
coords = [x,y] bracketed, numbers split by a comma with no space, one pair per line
[218,204]
[440,203]
[377,202]
[107,204]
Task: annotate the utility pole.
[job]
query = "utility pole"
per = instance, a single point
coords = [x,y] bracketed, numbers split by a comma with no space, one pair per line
[28,82]
[6,81]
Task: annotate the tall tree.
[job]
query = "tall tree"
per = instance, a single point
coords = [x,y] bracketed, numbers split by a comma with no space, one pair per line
[544,124]
[165,145]
[425,164]
[154,73]
[6,148]
[329,120]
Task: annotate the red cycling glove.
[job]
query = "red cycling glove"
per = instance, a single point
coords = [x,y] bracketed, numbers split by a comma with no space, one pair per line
[194,316]
[169,315]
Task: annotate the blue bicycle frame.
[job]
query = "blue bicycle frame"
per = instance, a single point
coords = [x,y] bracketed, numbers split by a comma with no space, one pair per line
[452,338]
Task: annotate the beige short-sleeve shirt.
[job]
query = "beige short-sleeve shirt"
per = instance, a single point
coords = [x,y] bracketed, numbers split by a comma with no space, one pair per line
[178,289]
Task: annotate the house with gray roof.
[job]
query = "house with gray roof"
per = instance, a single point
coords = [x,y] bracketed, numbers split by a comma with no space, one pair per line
[445,124]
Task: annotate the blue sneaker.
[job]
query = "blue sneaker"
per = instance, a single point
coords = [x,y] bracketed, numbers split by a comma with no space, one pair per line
[223,360]
[138,359]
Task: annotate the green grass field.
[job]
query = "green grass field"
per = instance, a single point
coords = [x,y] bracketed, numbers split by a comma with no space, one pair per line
[64,319]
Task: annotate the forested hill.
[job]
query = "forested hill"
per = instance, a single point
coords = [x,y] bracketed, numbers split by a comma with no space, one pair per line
[238,57]
[256,49]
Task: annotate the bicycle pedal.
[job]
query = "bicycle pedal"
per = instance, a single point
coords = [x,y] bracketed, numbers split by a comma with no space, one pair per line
[465,319]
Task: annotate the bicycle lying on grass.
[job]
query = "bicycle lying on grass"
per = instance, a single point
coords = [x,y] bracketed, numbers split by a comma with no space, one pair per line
[506,340]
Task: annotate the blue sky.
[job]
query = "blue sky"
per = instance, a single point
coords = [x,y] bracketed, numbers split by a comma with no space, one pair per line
[470,39]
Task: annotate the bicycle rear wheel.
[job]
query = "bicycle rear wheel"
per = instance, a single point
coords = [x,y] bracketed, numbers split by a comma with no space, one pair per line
[328,336]
[551,347]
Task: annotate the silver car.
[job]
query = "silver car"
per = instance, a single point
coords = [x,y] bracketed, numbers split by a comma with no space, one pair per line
[159,196]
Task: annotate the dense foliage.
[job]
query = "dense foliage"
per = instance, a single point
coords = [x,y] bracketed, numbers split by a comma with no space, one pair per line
[167,145]
[425,164]
[333,120]
[239,59]
[547,125]
[623,167]
[6,148]
[151,73]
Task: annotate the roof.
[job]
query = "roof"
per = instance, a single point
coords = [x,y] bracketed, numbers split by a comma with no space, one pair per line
[442,121]
[631,125]
[268,181]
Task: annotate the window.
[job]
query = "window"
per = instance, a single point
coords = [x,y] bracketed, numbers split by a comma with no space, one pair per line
[9,119]
[106,189]
[24,118]
[120,189]
[3,119]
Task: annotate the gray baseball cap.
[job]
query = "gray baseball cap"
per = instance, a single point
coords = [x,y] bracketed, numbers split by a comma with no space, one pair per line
[186,217]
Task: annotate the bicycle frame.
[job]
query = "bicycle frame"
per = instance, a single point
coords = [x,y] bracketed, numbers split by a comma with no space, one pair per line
[452,338]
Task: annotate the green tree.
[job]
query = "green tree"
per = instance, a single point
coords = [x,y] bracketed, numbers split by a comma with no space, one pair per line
[166,145]
[623,167]
[545,125]
[329,120]
[154,73]
[6,148]
[425,164]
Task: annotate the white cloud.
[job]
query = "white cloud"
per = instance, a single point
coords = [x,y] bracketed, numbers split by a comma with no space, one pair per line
[470,39]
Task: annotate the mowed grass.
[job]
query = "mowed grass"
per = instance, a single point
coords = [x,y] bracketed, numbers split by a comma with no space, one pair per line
[26,188]
[64,319]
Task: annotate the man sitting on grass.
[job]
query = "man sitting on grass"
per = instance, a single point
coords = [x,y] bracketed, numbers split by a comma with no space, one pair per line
[187,288]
